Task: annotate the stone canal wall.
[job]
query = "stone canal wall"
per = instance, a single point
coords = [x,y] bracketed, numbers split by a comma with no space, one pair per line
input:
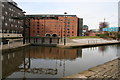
[109,71]
[76,45]
[12,46]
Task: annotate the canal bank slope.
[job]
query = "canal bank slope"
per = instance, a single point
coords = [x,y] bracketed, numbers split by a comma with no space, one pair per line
[109,70]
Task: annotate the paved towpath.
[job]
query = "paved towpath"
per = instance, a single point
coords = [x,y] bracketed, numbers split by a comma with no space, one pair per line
[71,43]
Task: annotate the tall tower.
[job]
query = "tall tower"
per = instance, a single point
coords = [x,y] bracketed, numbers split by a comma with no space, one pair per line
[119,14]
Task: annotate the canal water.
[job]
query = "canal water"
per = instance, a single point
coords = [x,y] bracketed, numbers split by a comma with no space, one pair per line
[52,62]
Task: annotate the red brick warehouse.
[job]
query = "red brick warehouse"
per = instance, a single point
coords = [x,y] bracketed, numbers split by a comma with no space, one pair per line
[55,25]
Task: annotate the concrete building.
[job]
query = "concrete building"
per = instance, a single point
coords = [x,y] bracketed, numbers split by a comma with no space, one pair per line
[55,25]
[103,25]
[10,28]
[85,30]
[111,29]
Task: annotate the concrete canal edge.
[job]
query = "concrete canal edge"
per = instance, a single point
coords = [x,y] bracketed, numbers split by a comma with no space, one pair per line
[107,70]
[86,45]
[14,48]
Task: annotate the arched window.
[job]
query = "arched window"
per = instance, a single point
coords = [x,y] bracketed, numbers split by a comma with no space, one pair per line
[54,35]
[48,35]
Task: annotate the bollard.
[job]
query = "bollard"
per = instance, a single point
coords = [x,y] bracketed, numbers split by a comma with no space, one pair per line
[1,44]
[13,41]
[88,41]
[8,44]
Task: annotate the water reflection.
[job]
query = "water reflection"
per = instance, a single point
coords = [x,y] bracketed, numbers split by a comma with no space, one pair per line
[102,48]
[0,65]
[54,53]
[20,61]
[11,62]
[49,62]
[118,51]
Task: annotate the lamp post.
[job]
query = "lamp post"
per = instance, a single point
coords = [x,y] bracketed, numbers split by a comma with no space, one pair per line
[24,18]
[24,27]
[44,26]
[65,28]
[61,29]
[29,21]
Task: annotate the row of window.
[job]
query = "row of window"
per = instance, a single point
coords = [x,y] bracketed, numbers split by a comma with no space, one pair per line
[10,31]
[62,20]
[55,25]
[58,28]
[11,25]
[10,9]
[11,20]
[67,19]
[53,22]
[54,31]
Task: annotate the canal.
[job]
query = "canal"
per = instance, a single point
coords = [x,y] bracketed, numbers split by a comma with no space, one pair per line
[52,62]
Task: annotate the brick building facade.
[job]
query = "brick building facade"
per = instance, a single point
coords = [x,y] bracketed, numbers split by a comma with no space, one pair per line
[55,25]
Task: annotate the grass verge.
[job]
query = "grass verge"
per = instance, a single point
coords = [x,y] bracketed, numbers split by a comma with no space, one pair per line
[83,37]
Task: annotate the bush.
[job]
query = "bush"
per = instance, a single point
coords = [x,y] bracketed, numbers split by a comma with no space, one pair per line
[98,35]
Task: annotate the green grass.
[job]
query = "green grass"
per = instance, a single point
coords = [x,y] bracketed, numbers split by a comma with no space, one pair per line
[83,37]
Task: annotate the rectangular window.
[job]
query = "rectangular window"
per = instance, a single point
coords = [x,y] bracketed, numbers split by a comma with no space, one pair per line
[37,31]
[6,12]
[10,9]
[2,17]
[68,19]
[2,5]
[38,22]
[68,31]
[68,22]
[10,31]
[38,28]
[7,31]
[15,31]
[68,35]
[0,31]
[6,24]
[68,28]
[68,25]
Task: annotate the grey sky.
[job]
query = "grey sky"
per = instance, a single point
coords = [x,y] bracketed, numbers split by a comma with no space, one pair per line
[92,11]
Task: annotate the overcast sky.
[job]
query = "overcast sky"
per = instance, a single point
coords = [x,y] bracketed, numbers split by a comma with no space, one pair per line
[92,11]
